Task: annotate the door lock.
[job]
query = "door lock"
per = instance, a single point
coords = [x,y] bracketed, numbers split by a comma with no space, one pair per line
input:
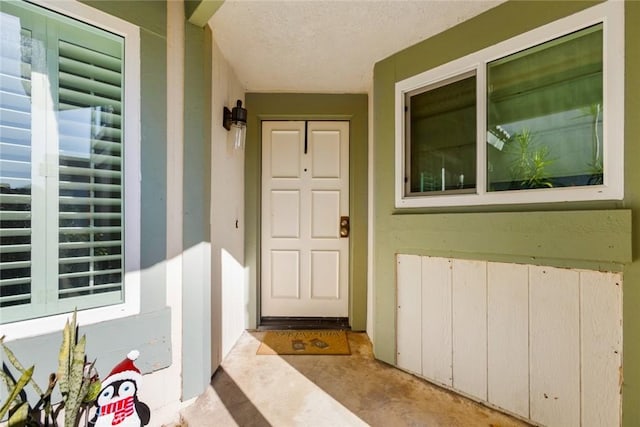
[344,226]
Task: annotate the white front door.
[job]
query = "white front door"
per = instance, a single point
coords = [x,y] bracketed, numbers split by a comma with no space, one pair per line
[305,193]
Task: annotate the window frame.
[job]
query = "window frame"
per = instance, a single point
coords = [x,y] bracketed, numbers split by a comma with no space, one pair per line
[611,15]
[131,176]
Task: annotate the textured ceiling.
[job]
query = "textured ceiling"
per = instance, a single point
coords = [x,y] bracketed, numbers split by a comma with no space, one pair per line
[323,45]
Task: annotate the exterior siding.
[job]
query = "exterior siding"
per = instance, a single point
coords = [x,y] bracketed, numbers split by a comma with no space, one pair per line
[582,235]
[150,331]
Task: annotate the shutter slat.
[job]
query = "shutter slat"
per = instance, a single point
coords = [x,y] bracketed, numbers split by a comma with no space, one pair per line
[11,298]
[107,117]
[110,147]
[16,281]
[101,173]
[99,159]
[84,84]
[13,168]
[90,215]
[9,134]
[96,159]
[14,232]
[89,230]
[86,99]
[15,215]
[15,101]
[79,68]
[15,84]
[81,124]
[18,182]
[12,249]
[64,185]
[83,259]
[7,198]
[69,50]
[91,273]
[15,264]
[15,151]
[94,201]
[14,118]
[115,286]
[9,149]
[87,245]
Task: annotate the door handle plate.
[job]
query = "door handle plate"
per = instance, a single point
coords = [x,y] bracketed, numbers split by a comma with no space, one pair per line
[344,226]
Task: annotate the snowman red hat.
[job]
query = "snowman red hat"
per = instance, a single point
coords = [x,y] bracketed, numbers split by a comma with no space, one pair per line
[125,370]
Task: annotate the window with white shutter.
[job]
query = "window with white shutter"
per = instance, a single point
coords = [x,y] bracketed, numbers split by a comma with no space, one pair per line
[62,176]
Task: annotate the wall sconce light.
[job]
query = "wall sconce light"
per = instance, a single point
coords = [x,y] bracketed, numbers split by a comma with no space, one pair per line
[236,119]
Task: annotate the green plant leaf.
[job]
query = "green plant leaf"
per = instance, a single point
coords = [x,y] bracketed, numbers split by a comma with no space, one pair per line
[76,380]
[93,385]
[93,391]
[16,364]
[24,379]
[10,383]
[19,416]
[63,360]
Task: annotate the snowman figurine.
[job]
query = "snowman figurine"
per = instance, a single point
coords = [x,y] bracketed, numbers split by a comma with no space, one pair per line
[118,403]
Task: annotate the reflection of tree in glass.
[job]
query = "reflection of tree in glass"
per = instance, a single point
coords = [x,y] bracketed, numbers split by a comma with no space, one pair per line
[596,177]
[529,162]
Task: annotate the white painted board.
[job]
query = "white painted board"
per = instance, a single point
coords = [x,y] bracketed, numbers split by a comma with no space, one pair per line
[469,284]
[554,346]
[508,337]
[409,355]
[601,341]
[437,344]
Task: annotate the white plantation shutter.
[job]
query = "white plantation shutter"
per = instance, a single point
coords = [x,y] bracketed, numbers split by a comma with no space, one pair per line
[62,246]
[90,171]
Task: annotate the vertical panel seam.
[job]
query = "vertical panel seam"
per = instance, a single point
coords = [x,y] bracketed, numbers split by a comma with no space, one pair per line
[451,321]
[529,334]
[486,325]
[580,349]
[420,288]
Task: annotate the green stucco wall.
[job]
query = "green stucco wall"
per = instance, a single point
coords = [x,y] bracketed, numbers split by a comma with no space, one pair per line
[263,106]
[196,290]
[631,298]
[592,235]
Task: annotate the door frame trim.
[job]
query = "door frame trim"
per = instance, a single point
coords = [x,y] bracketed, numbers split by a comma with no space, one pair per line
[349,107]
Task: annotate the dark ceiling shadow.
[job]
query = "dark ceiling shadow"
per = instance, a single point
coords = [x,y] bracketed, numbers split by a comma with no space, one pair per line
[243,411]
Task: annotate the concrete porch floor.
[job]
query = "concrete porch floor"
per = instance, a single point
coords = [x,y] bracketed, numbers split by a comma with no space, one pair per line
[336,391]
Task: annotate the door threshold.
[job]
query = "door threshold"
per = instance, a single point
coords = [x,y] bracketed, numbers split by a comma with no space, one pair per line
[271,323]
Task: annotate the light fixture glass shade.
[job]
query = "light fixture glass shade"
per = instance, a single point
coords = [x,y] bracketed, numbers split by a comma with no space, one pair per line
[239,135]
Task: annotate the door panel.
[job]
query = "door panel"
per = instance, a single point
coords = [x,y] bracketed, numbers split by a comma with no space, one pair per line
[305,191]
[284,267]
[325,274]
[325,208]
[285,218]
[325,152]
[285,154]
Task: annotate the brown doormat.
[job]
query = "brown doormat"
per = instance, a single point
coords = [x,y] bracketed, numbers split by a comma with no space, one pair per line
[305,342]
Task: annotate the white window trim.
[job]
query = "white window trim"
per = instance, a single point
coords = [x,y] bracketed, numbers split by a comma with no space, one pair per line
[132,176]
[611,14]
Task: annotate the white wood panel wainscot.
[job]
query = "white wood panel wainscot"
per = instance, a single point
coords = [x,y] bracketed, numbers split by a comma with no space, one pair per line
[542,343]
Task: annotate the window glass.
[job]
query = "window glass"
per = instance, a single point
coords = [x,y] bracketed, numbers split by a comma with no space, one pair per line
[545,115]
[61,170]
[15,162]
[442,138]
